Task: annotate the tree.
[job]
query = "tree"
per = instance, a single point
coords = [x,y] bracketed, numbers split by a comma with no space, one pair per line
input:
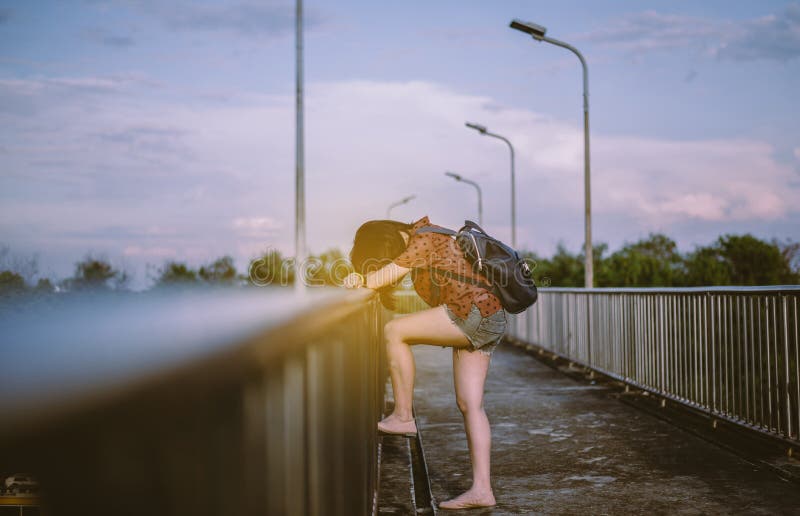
[271,268]
[791,254]
[25,267]
[705,267]
[176,273]
[11,283]
[650,262]
[328,268]
[564,269]
[220,272]
[739,260]
[96,274]
[44,286]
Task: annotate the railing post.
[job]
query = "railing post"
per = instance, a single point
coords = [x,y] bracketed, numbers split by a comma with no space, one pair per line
[784,302]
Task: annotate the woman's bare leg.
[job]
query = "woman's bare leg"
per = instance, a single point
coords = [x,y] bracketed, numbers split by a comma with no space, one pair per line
[469,376]
[431,326]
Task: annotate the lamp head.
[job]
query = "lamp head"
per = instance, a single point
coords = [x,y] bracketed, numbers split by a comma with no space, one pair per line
[535,30]
[480,128]
[453,175]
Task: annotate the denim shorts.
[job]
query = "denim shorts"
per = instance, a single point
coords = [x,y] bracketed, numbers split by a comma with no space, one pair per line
[484,333]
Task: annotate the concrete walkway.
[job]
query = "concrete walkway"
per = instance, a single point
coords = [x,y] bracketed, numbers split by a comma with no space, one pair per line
[564,447]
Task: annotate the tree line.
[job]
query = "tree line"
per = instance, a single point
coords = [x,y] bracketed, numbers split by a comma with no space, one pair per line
[97,274]
[655,261]
[650,262]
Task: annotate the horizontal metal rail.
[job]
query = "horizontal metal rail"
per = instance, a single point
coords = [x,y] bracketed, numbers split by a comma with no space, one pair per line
[732,352]
[221,402]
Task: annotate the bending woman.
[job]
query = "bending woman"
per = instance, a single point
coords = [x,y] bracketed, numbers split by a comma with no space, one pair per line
[464,316]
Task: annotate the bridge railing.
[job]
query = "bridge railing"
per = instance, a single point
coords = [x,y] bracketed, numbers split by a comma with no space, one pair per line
[197,403]
[732,352]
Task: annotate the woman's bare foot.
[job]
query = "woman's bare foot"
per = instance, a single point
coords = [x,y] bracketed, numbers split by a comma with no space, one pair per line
[472,498]
[392,424]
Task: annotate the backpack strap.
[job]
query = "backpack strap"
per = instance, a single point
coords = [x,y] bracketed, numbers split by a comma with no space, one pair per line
[462,278]
[448,274]
[434,229]
[468,224]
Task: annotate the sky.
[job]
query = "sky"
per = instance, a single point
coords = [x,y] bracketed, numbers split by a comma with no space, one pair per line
[147,131]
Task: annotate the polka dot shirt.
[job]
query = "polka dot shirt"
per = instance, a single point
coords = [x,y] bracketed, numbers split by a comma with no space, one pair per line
[435,250]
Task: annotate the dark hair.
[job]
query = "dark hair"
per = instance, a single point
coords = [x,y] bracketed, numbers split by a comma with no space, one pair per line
[375,245]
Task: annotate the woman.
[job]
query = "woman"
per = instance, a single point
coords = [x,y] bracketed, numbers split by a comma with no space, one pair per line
[465,316]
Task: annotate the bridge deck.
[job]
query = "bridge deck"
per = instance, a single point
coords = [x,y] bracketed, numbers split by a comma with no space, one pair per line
[564,447]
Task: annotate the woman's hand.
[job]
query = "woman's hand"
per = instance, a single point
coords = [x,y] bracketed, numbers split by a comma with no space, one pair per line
[354,280]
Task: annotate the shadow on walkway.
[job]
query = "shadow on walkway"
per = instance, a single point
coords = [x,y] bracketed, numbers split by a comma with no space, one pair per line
[563,447]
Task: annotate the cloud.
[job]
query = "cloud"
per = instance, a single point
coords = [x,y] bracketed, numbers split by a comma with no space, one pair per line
[94,171]
[256,227]
[650,30]
[665,182]
[771,37]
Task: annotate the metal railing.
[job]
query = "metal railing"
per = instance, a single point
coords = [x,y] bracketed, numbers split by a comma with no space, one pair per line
[216,403]
[408,301]
[732,352]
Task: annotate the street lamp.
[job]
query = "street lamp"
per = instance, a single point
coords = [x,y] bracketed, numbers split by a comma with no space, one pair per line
[538,33]
[457,177]
[299,170]
[398,203]
[483,130]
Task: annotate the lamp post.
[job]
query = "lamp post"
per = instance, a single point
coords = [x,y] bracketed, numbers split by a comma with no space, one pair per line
[300,182]
[458,177]
[483,130]
[398,203]
[538,33]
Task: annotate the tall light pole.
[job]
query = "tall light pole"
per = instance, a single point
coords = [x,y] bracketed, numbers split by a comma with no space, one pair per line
[398,203]
[538,33]
[483,130]
[458,177]
[300,186]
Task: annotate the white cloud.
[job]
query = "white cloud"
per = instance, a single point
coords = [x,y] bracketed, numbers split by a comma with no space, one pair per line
[256,227]
[199,181]
[774,36]
[714,180]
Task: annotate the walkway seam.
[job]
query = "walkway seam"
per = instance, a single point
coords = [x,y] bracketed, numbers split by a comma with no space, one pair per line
[419,469]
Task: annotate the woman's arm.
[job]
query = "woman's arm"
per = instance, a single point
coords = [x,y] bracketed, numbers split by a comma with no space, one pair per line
[386,275]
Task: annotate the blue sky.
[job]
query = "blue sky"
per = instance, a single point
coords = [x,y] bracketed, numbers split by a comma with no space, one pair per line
[147,131]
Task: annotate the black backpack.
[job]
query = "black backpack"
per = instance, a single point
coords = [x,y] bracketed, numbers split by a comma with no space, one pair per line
[509,275]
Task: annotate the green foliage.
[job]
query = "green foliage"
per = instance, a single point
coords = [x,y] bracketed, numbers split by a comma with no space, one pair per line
[271,268]
[219,272]
[656,262]
[11,283]
[44,286]
[175,273]
[705,266]
[95,274]
[564,269]
[652,262]
[328,268]
[740,260]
